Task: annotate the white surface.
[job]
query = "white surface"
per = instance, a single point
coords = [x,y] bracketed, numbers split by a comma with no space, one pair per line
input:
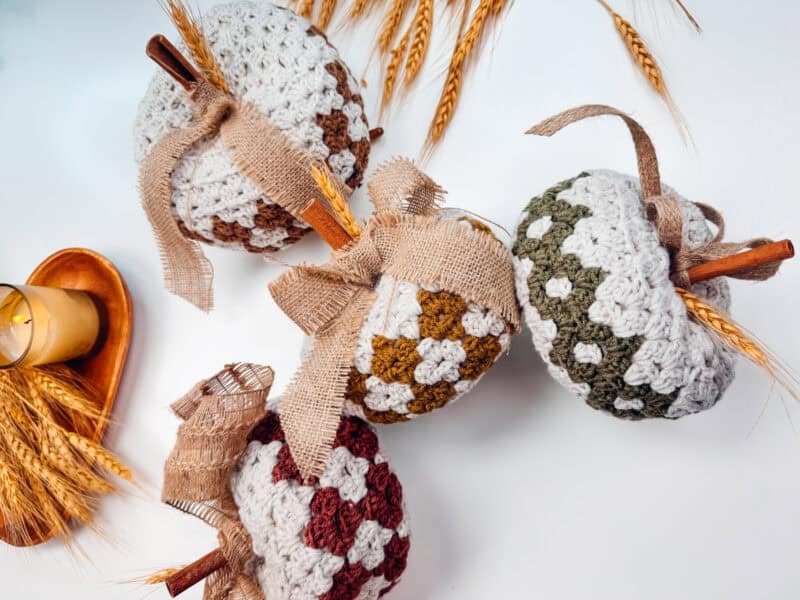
[519,490]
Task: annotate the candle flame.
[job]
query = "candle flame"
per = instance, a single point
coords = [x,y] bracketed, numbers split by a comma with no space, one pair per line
[17,319]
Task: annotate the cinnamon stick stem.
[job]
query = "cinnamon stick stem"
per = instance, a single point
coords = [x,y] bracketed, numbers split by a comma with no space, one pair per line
[325,224]
[167,56]
[191,574]
[730,265]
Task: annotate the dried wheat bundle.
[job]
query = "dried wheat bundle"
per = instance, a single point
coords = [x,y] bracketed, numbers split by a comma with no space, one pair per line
[50,469]
[404,41]
[405,53]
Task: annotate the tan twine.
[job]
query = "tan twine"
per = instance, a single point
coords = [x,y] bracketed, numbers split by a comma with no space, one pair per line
[218,415]
[663,210]
[405,239]
[280,169]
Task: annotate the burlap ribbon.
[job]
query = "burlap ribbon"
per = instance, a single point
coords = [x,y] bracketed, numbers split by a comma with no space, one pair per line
[218,415]
[664,210]
[280,169]
[406,240]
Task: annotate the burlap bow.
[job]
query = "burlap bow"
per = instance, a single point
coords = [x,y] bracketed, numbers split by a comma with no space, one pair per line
[665,213]
[218,415]
[280,169]
[664,210]
[407,240]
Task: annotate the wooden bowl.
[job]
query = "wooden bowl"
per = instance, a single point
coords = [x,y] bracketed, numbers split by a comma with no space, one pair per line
[85,270]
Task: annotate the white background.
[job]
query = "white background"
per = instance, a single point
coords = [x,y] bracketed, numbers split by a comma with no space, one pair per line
[519,490]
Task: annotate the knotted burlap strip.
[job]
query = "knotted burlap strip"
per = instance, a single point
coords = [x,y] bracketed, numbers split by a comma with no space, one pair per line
[218,415]
[664,210]
[398,185]
[332,301]
[280,169]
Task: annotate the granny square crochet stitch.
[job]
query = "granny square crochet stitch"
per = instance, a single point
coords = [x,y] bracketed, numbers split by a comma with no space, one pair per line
[288,70]
[593,283]
[419,349]
[340,537]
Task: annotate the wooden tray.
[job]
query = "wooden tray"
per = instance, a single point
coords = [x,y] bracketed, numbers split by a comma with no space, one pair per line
[82,269]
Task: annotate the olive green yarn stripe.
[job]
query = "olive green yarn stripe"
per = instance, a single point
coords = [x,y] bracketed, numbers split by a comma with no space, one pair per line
[571,315]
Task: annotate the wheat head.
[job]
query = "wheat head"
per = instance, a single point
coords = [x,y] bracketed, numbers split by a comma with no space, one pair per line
[392,71]
[391,24]
[452,87]
[638,50]
[326,184]
[68,396]
[98,455]
[162,576]
[305,8]
[730,333]
[359,8]
[326,13]
[192,34]
[418,51]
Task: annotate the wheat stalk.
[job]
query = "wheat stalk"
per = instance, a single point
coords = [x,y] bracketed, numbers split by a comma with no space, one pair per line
[638,50]
[162,576]
[647,64]
[452,88]
[392,71]
[306,8]
[329,188]
[64,491]
[689,16]
[193,36]
[326,13]
[67,397]
[55,450]
[466,6]
[735,337]
[358,8]
[729,332]
[48,469]
[64,458]
[391,24]
[361,7]
[423,27]
[99,456]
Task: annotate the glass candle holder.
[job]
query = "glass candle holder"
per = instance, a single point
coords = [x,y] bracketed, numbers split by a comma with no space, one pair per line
[41,325]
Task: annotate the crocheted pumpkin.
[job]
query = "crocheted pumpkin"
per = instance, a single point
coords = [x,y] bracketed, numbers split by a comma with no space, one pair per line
[410,312]
[288,70]
[419,349]
[342,537]
[593,282]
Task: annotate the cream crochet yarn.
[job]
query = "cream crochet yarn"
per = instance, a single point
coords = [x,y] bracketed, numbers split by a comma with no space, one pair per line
[289,71]
[593,282]
[343,537]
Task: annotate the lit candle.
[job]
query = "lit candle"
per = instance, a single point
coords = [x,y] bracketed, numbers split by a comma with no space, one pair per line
[41,325]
